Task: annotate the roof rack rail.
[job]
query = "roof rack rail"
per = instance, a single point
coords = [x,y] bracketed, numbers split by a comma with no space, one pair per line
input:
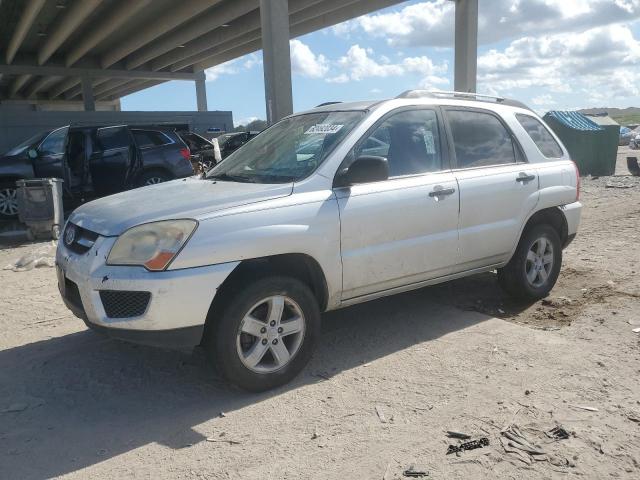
[462,96]
[326,103]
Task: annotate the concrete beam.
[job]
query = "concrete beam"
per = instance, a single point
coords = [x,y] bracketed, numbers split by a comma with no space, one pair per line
[31,10]
[201,25]
[18,83]
[172,18]
[114,19]
[78,12]
[109,85]
[133,88]
[87,95]
[201,48]
[40,84]
[92,72]
[274,19]
[466,46]
[201,92]
[66,84]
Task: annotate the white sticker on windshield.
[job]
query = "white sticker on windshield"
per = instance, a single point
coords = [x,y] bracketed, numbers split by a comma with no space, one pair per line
[323,129]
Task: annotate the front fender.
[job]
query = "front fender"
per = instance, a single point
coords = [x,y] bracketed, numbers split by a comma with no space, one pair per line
[306,223]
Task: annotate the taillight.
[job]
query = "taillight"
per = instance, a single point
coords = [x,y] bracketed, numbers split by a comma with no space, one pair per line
[186,153]
[577,181]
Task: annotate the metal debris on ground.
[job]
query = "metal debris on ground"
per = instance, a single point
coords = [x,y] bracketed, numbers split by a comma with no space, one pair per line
[472,445]
[414,472]
[381,415]
[514,441]
[460,435]
[558,433]
[584,407]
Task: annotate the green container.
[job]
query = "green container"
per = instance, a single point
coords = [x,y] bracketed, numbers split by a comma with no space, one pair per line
[593,147]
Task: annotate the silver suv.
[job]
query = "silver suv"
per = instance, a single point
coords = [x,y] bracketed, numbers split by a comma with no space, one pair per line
[327,208]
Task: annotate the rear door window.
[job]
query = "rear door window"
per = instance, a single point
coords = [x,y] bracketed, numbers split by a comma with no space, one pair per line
[110,138]
[480,139]
[540,136]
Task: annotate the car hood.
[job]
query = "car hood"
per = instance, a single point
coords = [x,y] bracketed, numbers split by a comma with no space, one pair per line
[185,198]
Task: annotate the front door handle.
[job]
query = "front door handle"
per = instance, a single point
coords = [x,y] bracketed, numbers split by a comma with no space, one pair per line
[524,178]
[442,192]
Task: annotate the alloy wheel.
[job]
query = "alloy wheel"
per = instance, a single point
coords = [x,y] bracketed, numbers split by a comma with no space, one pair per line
[539,263]
[153,180]
[8,201]
[270,334]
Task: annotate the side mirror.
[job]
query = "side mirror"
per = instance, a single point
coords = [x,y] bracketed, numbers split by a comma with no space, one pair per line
[33,154]
[365,169]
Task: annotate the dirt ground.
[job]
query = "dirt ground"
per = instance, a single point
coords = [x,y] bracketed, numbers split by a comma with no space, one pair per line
[388,380]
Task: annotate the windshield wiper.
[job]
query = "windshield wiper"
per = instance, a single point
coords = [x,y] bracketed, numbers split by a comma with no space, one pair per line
[232,178]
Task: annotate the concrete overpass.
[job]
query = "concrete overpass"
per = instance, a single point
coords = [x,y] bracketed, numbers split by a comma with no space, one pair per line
[87,51]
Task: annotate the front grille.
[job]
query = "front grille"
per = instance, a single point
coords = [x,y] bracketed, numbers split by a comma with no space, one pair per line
[124,304]
[82,241]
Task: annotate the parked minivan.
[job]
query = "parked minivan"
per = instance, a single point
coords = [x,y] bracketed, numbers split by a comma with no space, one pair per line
[94,161]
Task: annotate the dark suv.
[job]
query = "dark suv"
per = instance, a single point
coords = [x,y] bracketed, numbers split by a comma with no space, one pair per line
[94,161]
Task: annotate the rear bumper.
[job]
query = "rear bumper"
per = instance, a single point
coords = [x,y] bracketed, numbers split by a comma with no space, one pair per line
[572,214]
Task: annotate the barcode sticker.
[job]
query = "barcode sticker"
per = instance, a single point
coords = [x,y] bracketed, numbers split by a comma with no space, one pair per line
[323,129]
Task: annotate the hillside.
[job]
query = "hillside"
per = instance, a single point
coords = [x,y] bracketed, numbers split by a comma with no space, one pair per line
[624,116]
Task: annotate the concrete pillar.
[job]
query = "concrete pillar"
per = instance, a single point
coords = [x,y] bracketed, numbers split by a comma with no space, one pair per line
[87,95]
[201,92]
[274,21]
[466,46]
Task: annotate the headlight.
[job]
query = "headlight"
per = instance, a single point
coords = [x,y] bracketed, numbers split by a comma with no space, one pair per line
[152,245]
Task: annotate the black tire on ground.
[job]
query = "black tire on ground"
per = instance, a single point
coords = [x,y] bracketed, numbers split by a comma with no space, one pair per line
[8,201]
[222,342]
[514,278]
[152,177]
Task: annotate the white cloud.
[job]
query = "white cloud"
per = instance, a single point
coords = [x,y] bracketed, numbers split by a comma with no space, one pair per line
[306,63]
[228,68]
[359,64]
[431,23]
[253,59]
[245,121]
[342,78]
[599,58]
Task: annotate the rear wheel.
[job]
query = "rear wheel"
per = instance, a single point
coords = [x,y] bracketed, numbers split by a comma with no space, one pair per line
[153,177]
[265,334]
[534,268]
[8,201]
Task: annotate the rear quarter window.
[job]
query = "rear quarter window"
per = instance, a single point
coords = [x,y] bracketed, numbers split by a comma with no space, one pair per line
[150,138]
[540,136]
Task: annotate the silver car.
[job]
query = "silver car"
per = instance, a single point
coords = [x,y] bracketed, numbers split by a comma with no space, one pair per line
[327,208]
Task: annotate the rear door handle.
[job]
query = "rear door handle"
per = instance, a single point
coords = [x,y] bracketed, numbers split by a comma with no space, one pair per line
[524,178]
[442,192]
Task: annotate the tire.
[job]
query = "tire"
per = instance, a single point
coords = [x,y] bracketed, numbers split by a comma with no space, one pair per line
[8,201]
[153,177]
[251,360]
[530,276]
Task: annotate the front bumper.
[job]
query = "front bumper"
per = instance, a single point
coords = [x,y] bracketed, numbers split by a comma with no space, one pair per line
[178,300]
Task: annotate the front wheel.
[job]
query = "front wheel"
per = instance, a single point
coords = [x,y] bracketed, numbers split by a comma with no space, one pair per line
[534,268]
[265,334]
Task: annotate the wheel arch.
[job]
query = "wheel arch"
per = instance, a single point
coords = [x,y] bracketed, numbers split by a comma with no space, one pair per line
[301,266]
[552,216]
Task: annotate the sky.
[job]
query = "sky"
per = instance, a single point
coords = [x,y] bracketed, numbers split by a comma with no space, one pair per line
[550,54]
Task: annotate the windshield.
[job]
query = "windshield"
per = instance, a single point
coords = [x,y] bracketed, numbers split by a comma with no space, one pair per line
[288,151]
[29,142]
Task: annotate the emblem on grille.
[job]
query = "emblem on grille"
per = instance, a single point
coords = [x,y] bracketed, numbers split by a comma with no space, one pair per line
[70,235]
